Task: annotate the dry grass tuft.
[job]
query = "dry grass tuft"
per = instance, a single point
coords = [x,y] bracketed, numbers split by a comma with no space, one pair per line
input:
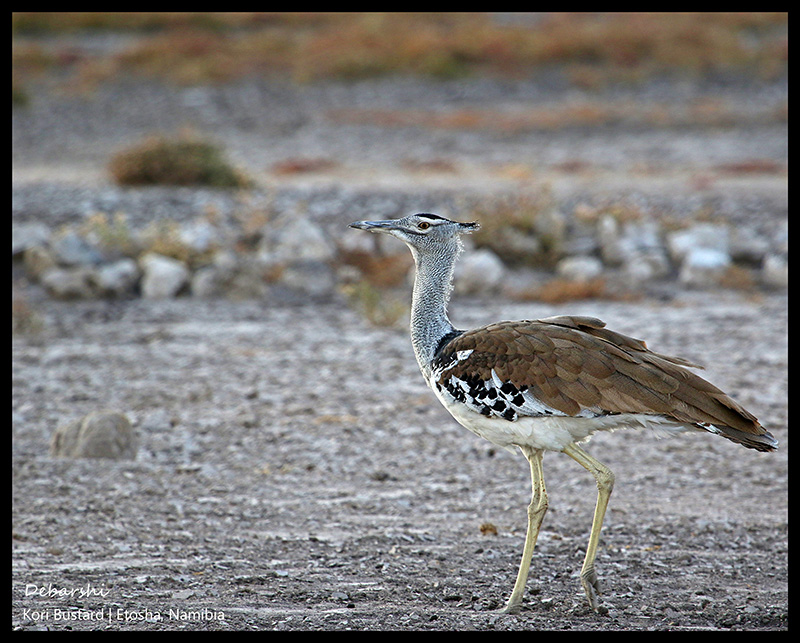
[379,306]
[738,278]
[557,291]
[182,160]
[751,166]
[516,227]
[303,165]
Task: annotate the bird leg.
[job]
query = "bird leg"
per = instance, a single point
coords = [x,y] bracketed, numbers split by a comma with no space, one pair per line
[605,484]
[536,511]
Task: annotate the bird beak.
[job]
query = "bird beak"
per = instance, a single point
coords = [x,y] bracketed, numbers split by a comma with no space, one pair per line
[375,226]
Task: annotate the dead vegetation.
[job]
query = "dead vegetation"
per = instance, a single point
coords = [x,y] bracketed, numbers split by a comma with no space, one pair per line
[518,228]
[586,113]
[198,47]
[175,160]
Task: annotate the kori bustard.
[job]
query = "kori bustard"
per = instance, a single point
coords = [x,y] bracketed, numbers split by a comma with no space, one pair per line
[548,384]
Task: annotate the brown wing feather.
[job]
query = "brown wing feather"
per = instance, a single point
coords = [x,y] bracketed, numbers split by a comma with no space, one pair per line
[575,363]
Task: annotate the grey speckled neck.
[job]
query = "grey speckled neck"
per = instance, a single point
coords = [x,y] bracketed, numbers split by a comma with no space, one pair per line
[432,287]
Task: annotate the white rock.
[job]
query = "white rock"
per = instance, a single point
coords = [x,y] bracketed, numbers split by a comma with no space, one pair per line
[642,236]
[200,235]
[701,235]
[70,249]
[295,239]
[28,235]
[643,256]
[646,265]
[703,267]
[162,277]
[117,278]
[480,271]
[775,271]
[70,283]
[579,268]
[609,238]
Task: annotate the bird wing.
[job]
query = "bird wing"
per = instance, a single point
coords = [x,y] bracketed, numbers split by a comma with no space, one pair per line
[574,366]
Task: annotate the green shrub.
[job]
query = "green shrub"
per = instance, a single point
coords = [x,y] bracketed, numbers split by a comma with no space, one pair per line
[181,160]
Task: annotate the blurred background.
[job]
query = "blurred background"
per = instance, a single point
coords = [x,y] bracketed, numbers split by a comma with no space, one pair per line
[591,145]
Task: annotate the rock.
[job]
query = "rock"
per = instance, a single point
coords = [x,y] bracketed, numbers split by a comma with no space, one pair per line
[609,240]
[579,268]
[748,246]
[704,267]
[641,267]
[551,227]
[295,238]
[775,271]
[200,235]
[514,246]
[480,271]
[779,238]
[246,283]
[232,277]
[643,254]
[314,278]
[297,252]
[206,282]
[70,249]
[701,235]
[70,283]
[118,278]
[162,277]
[582,242]
[28,235]
[100,434]
[38,260]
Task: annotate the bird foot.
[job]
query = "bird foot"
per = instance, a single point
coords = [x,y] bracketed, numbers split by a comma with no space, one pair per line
[591,585]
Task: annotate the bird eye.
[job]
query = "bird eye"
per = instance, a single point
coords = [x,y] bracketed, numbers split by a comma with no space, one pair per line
[423,225]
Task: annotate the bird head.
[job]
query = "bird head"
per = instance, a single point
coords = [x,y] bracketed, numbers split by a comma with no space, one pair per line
[420,231]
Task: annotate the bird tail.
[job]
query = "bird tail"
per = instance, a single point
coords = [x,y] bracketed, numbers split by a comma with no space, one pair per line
[760,442]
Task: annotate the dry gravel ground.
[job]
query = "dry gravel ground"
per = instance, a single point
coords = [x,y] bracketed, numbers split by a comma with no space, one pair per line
[295,473]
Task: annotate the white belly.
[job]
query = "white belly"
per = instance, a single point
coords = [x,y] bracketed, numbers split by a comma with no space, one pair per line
[551,432]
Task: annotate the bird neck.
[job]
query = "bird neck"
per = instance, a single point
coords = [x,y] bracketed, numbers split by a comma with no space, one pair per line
[432,287]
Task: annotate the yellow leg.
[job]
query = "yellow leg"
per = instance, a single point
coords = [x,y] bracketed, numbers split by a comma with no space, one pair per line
[536,511]
[605,484]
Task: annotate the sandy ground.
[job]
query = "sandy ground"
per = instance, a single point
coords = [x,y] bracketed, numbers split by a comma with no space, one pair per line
[294,471]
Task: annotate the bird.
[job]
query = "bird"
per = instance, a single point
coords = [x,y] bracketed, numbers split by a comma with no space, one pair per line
[549,384]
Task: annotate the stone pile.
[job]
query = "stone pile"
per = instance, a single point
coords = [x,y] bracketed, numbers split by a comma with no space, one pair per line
[197,259]
[633,252]
[200,259]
